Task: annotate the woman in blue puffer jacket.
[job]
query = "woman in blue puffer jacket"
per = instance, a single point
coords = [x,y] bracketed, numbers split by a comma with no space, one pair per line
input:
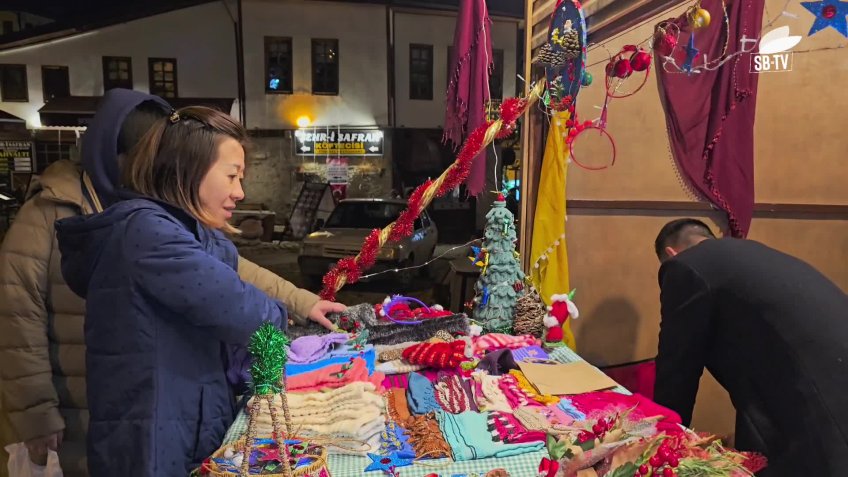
[164,299]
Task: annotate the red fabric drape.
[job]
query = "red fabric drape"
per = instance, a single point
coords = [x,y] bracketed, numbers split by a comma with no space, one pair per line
[710,115]
[468,89]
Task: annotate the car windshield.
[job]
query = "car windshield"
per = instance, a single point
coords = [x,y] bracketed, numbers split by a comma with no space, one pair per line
[364,215]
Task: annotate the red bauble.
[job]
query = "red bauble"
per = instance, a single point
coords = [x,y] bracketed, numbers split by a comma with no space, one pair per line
[622,69]
[829,11]
[640,61]
[665,43]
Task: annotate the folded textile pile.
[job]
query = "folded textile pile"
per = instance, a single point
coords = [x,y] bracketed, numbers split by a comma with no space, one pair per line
[469,437]
[334,376]
[506,428]
[547,419]
[353,413]
[390,359]
[339,355]
[488,393]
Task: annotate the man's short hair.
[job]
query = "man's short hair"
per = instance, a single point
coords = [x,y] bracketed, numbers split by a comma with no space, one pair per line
[678,232]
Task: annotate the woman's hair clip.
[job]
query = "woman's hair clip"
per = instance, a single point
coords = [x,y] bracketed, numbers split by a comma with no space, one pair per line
[175,116]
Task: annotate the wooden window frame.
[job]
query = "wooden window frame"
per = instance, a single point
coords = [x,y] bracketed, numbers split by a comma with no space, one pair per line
[312,55]
[106,81]
[429,73]
[3,97]
[288,88]
[150,63]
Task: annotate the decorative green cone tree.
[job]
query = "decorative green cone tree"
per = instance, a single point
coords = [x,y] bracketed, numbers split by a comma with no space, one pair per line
[501,281]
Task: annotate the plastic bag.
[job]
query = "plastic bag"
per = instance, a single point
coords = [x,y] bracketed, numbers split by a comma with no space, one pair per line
[21,466]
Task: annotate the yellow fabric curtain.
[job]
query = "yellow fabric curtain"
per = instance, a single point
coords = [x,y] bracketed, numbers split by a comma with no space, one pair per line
[549,255]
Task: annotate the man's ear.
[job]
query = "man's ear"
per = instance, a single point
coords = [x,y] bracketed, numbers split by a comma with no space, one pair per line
[670,252]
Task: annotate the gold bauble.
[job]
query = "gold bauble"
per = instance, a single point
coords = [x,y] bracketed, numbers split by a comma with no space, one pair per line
[699,18]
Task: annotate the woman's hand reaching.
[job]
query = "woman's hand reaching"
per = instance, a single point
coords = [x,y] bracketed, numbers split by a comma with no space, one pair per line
[320,310]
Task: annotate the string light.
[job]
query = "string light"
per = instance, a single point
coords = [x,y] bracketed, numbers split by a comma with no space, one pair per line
[398,270]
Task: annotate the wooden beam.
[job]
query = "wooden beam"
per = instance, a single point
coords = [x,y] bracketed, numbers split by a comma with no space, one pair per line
[646,207]
[528,148]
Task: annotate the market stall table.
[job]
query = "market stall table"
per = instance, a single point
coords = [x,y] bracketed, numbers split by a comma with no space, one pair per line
[353,466]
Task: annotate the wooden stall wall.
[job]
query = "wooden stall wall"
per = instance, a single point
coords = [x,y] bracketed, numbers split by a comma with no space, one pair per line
[614,214]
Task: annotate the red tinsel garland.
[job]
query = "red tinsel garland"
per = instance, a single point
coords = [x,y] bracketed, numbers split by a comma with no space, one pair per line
[352,267]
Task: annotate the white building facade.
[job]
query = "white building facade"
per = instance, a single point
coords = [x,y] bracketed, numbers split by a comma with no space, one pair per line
[315,65]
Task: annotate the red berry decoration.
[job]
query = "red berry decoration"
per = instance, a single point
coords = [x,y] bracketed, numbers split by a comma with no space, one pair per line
[655,461]
[643,469]
[673,461]
[640,61]
[622,69]
[665,43]
[669,472]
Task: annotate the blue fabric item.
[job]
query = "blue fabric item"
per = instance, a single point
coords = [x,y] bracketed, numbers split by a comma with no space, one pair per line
[163,297]
[468,435]
[99,151]
[568,408]
[529,353]
[340,356]
[420,395]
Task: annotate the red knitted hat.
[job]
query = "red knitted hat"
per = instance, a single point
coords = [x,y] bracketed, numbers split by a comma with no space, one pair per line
[436,355]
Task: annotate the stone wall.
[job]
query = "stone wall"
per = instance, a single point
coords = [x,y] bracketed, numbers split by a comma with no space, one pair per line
[275,175]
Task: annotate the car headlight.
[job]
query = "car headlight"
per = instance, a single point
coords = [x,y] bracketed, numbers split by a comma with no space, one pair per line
[312,249]
[386,253]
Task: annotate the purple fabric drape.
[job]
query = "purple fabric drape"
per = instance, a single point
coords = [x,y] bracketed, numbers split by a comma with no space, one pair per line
[710,115]
[468,89]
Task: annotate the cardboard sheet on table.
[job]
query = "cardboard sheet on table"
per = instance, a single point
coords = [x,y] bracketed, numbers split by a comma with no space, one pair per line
[566,378]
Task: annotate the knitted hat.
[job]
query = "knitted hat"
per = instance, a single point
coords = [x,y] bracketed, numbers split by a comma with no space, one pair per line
[436,355]
[497,362]
[308,349]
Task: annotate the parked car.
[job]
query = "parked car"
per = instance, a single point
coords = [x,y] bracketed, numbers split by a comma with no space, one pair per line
[344,233]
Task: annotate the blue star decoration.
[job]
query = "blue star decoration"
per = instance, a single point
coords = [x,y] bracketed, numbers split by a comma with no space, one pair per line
[691,54]
[387,462]
[829,13]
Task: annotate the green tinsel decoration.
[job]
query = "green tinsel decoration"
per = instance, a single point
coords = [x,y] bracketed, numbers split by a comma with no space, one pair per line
[268,347]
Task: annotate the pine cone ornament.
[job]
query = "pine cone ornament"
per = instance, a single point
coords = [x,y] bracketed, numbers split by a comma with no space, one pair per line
[551,57]
[570,43]
[529,315]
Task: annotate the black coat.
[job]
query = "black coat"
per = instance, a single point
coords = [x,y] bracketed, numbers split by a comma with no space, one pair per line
[774,332]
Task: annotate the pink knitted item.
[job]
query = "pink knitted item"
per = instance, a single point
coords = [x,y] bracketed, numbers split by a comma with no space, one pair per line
[494,341]
[335,376]
[515,396]
[509,430]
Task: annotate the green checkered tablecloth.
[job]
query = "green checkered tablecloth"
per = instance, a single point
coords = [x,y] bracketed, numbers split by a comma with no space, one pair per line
[523,465]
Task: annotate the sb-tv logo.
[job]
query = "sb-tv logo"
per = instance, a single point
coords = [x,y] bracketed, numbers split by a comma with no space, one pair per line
[774,55]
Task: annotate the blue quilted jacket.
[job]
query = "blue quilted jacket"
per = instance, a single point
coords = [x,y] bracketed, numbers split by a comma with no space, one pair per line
[163,302]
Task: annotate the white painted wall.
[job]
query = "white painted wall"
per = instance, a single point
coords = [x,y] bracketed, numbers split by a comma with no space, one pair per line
[201,38]
[437,29]
[363,82]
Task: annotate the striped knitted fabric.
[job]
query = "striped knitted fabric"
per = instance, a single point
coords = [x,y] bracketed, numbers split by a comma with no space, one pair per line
[516,396]
[436,355]
[506,428]
[500,341]
[451,395]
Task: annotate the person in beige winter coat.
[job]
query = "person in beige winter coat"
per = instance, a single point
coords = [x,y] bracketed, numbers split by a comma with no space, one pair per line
[42,346]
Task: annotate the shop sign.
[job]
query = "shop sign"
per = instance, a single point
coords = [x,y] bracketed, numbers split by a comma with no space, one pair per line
[15,156]
[348,142]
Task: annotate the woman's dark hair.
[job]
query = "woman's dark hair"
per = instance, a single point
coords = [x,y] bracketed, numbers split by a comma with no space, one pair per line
[173,157]
[137,123]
